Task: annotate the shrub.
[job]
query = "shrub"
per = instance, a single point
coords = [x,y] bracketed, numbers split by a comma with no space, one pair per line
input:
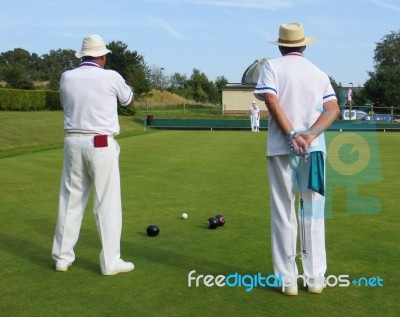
[126,110]
[28,100]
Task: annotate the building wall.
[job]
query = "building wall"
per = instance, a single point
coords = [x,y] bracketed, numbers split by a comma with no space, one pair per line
[238,101]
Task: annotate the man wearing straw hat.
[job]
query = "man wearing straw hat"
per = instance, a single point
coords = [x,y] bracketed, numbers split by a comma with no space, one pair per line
[89,96]
[302,104]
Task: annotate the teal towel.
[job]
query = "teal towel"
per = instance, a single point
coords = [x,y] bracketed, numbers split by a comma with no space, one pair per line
[316,177]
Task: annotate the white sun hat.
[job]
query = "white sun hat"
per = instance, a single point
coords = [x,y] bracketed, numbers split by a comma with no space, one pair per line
[93,45]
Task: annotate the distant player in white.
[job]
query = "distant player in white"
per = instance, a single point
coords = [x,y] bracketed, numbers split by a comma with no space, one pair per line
[350,97]
[254,113]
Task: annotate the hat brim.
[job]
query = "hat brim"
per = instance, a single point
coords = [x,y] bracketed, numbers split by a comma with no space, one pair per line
[306,41]
[97,53]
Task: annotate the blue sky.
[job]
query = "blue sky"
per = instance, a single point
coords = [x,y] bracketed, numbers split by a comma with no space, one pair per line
[218,37]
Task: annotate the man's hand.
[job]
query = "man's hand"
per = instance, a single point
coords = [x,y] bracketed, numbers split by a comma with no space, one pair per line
[307,137]
[298,145]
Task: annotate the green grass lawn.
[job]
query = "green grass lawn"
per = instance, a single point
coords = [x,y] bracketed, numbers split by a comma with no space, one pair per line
[163,174]
[23,132]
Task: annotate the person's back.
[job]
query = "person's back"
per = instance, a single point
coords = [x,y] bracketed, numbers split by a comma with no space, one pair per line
[300,87]
[299,81]
[89,97]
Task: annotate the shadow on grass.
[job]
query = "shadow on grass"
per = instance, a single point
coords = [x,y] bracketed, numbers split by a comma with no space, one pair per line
[37,254]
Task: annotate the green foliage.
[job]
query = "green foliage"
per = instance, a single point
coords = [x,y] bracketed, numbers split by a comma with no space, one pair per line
[383,87]
[130,65]
[359,98]
[337,87]
[136,78]
[200,88]
[16,76]
[52,100]
[57,62]
[19,68]
[126,110]
[220,82]
[27,100]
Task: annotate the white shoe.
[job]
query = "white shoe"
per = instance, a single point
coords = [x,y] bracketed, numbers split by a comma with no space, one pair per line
[290,290]
[316,289]
[122,267]
[62,267]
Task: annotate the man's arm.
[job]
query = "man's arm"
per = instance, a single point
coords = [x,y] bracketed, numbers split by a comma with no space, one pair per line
[272,103]
[325,120]
[299,143]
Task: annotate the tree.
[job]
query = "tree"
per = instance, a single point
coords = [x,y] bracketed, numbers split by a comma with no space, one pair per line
[130,65]
[157,78]
[16,56]
[177,85]
[178,80]
[201,88]
[16,76]
[383,86]
[57,62]
[220,82]
[17,68]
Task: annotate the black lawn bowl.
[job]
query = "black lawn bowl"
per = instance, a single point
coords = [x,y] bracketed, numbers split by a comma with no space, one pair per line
[213,223]
[153,230]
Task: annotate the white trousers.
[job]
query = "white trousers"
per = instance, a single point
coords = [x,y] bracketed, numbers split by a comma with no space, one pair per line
[288,175]
[85,167]
[255,122]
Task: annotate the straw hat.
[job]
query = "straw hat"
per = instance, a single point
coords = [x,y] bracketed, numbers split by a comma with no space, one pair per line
[292,35]
[93,45]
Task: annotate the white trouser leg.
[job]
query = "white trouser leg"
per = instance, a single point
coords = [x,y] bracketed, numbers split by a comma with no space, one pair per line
[74,193]
[84,165]
[283,175]
[314,264]
[283,216]
[107,202]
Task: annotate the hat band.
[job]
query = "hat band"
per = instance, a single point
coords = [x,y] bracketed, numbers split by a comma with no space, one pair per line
[291,42]
[94,48]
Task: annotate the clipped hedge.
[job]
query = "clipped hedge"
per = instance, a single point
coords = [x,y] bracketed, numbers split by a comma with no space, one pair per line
[34,100]
[28,100]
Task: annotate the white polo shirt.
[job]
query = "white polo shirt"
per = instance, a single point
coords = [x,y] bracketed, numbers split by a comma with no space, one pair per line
[301,89]
[89,96]
[254,111]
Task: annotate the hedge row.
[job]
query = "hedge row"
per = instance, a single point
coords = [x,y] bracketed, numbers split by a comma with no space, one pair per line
[32,100]
[28,100]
